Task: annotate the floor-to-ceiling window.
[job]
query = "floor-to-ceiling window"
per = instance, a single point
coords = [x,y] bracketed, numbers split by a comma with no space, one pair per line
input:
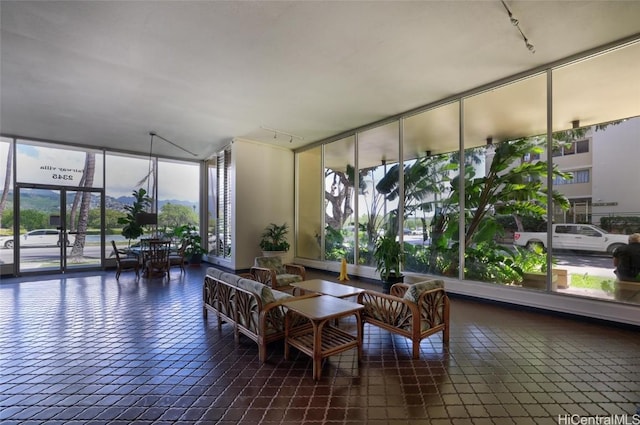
[57,207]
[309,199]
[6,201]
[431,162]
[505,177]
[178,195]
[379,184]
[339,200]
[512,178]
[124,175]
[219,205]
[67,200]
[596,132]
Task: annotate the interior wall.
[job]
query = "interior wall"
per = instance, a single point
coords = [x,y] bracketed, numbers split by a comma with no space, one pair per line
[264,193]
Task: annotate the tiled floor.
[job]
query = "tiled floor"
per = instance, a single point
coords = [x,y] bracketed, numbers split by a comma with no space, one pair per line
[87,350]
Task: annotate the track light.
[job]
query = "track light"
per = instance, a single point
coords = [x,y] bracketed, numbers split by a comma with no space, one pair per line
[516,24]
[277,132]
[529,46]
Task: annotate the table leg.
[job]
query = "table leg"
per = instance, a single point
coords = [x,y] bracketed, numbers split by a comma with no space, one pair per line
[317,348]
[359,334]
[286,335]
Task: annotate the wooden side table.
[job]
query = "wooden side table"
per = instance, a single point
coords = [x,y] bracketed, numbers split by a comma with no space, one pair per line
[319,339]
[327,287]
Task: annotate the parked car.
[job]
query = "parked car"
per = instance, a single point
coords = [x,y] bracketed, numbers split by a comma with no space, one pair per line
[37,237]
[582,237]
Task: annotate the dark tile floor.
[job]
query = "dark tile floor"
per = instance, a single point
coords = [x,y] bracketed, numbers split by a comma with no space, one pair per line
[85,349]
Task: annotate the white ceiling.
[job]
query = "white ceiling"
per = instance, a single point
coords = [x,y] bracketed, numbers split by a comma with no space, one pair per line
[200,73]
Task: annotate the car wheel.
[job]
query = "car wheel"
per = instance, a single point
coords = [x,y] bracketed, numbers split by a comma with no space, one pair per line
[8,244]
[611,248]
[535,246]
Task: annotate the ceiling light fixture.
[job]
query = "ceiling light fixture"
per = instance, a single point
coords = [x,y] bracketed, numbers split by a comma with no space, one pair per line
[153,133]
[516,24]
[284,133]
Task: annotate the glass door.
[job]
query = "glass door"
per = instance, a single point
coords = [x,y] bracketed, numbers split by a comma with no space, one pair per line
[83,227]
[60,229]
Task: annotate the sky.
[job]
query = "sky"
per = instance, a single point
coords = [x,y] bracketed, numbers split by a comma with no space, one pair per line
[45,165]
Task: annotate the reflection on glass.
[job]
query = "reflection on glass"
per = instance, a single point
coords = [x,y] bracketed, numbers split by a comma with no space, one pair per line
[600,213]
[504,178]
[309,203]
[41,163]
[219,205]
[211,206]
[6,200]
[431,211]
[178,195]
[124,175]
[379,177]
[430,146]
[597,145]
[339,188]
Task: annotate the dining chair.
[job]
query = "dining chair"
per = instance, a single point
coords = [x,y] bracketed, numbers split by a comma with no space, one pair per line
[125,263]
[157,258]
[178,258]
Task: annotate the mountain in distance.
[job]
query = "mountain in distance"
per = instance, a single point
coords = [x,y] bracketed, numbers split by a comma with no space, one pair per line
[124,200]
[48,200]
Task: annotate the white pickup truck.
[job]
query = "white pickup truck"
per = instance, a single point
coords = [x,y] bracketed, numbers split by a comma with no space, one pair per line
[582,237]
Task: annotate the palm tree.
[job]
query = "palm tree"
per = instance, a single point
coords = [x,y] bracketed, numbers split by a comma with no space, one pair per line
[7,180]
[78,246]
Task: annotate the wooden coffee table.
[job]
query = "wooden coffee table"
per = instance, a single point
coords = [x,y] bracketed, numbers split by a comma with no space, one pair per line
[319,339]
[326,287]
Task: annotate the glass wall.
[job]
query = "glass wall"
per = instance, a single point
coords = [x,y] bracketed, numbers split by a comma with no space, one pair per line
[309,200]
[124,175]
[596,136]
[46,164]
[53,179]
[339,198]
[430,154]
[379,183]
[178,195]
[58,209]
[505,179]
[515,182]
[6,200]
[219,205]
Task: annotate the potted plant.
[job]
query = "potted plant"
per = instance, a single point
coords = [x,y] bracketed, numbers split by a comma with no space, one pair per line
[132,229]
[389,257]
[190,237]
[533,264]
[273,240]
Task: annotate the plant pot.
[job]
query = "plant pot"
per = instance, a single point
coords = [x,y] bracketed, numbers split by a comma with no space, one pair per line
[194,259]
[564,278]
[390,281]
[273,253]
[538,280]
